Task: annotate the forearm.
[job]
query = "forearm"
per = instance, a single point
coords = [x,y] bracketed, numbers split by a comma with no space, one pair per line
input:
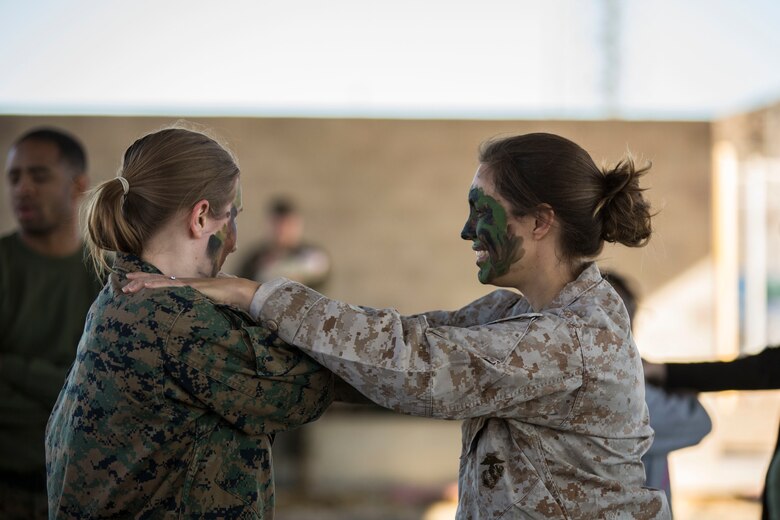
[402,363]
[366,350]
[18,409]
[38,379]
[757,372]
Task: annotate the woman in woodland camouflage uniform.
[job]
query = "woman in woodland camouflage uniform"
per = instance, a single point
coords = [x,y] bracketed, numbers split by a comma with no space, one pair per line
[169,409]
[548,382]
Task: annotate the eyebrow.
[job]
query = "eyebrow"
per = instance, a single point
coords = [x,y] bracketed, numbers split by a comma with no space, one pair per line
[31,169]
[36,168]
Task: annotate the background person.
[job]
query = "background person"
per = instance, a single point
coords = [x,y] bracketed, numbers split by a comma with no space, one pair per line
[285,253]
[756,372]
[45,292]
[549,381]
[677,418]
[173,400]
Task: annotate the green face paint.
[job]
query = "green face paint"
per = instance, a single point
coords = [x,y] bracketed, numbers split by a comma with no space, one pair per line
[223,242]
[487,227]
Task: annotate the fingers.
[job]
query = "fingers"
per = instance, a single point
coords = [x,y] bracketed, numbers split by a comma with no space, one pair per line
[139,280]
[133,286]
[140,275]
[136,274]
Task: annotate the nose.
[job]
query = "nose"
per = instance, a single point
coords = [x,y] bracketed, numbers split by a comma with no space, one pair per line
[468,232]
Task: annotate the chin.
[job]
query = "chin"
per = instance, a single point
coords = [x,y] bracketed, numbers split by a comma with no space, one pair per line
[490,281]
[35,227]
[499,281]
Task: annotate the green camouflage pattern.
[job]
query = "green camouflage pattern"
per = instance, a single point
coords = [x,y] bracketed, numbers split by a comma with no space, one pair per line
[170,408]
[552,402]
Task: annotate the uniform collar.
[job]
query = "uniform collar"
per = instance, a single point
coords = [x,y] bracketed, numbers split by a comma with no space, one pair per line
[588,278]
[126,263]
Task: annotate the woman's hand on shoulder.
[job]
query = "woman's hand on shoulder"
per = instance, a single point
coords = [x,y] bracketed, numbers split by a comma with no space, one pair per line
[224,289]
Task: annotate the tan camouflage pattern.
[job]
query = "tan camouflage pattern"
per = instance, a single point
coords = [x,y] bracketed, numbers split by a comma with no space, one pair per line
[555,420]
[170,408]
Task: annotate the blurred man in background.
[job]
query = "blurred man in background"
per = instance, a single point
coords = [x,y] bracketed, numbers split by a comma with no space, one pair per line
[45,292]
[284,253]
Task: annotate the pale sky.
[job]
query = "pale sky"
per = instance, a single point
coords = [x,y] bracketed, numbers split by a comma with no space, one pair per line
[677,59]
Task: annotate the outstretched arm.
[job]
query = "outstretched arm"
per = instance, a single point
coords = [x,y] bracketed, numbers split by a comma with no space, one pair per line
[756,372]
[404,363]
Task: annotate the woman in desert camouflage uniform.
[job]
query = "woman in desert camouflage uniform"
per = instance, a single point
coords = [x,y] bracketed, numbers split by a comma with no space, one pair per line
[549,381]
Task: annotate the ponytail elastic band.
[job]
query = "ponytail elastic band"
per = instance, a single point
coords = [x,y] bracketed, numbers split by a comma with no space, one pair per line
[124,183]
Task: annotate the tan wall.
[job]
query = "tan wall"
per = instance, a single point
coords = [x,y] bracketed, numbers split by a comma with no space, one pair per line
[388,197]
[755,133]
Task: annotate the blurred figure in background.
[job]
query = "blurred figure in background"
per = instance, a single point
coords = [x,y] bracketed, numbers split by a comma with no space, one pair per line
[284,253]
[45,292]
[757,372]
[678,419]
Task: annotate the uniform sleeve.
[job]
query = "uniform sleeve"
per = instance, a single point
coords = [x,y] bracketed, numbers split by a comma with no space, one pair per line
[679,420]
[489,308]
[246,374]
[405,364]
[757,372]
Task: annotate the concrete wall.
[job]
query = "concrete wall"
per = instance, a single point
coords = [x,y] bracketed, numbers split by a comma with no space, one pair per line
[388,197]
[754,133]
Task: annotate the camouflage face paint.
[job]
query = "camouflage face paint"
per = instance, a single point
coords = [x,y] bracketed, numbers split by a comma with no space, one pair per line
[223,242]
[488,228]
[215,248]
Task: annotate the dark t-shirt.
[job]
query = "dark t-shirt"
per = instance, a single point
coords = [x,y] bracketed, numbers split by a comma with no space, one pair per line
[43,303]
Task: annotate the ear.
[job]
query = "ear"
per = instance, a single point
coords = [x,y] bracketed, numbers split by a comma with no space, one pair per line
[198,218]
[80,184]
[544,216]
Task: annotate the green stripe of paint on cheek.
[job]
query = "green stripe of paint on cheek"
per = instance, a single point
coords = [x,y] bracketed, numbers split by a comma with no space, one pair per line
[216,241]
[493,234]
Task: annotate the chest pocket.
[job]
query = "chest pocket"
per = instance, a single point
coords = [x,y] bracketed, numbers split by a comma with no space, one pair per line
[273,357]
[497,476]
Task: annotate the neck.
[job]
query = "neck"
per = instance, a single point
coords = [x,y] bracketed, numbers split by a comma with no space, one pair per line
[174,254]
[64,240]
[547,280]
[170,263]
